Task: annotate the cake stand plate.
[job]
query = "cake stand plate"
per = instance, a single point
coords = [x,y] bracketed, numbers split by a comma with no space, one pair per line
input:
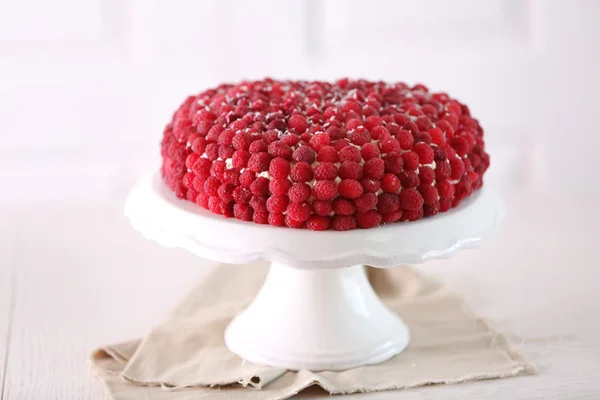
[316,309]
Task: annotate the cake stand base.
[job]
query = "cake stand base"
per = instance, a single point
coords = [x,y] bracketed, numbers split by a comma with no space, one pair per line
[322,319]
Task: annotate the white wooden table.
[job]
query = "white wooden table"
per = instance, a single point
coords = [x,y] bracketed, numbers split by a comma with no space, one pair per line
[72,278]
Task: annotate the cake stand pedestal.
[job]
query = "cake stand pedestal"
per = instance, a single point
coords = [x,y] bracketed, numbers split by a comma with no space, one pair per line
[316,309]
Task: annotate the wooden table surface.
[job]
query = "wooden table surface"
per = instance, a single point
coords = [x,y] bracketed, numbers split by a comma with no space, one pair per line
[72,278]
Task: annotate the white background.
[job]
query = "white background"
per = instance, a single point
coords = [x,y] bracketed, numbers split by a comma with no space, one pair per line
[87,86]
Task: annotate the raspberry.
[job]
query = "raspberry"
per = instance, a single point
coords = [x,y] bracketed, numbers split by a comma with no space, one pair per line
[279,186]
[225,137]
[412,215]
[437,136]
[411,199]
[460,145]
[445,189]
[335,133]
[372,121]
[327,154]
[299,192]
[368,219]
[360,136]
[442,170]
[319,140]
[322,207]
[277,204]
[340,144]
[292,223]
[366,202]
[217,169]
[191,195]
[280,149]
[390,145]
[374,168]
[201,166]
[318,223]
[231,176]
[387,203]
[304,154]
[242,195]
[409,179]
[290,140]
[298,211]
[301,172]
[259,203]
[241,141]
[423,123]
[343,206]
[211,186]
[325,190]
[411,160]
[279,168]
[431,209]
[215,204]
[240,159]
[188,180]
[198,145]
[369,151]
[350,153]
[260,186]
[350,188]
[260,217]
[445,204]
[393,163]
[242,212]
[226,151]
[225,192]
[246,178]
[258,146]
[343,222]
[390,183]
[370,185]
[425,153]
[276,219]
[297,124]
[426,175]
[405,139]
[350,170]
[429,193]
[259,162]
[191,160]
[379,133]
[326,171]
[202,200]
[457,168]
[353,124]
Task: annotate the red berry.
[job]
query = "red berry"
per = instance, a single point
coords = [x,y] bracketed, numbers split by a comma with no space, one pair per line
[390,183]
[297,124]
[240,159]
[299,192]
[241,195]
[350,188]
[259,203]
[258,146]
[292,223]
[374,168]
[370,185]
[304,154]
[277,204]
[429,193]
[353,124]
[431,209]
[405,139]
[393,163]
[369,151]
[457,168]
[388,202]
[299,211]
[372,121]
[368,219]
[319,140]
[322,207]
[211,186]
[260,217]
[390,145]
[301,172]
[325,190]
[340,144]
[259,162]
[242,212]
[280,149]
[437,136]
[426,175]
[350,153]
[409,179]
[412,215]
[279,168]
[442,170]
[336,132]
[425,153]
[260,186]
[380,133]
[225,192]
[318,223]
[326,171]
[327,154]
[393,216]
[343,222]
[445,189]
[276,219]
[202,165]
[445,204]
[247,177]
[343,206]
[360,136]
[279,186]
[202,200]
[411,199]
[367,201]
[411,160]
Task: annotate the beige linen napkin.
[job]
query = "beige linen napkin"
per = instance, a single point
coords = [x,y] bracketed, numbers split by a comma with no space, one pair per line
[185,356]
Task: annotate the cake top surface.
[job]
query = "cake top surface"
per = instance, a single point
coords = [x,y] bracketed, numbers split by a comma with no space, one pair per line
[323,155]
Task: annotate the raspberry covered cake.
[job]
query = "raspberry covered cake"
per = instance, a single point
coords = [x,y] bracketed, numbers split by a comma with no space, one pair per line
[320,155]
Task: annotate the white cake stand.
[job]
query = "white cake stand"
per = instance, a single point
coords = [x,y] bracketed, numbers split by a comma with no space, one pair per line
[316,309]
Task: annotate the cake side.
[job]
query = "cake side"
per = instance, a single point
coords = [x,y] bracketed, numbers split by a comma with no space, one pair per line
[319,155]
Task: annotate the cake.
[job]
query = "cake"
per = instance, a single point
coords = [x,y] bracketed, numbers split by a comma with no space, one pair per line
[323,155]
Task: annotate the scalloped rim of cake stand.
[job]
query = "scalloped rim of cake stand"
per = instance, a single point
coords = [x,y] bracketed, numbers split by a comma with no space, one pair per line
[158,214]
